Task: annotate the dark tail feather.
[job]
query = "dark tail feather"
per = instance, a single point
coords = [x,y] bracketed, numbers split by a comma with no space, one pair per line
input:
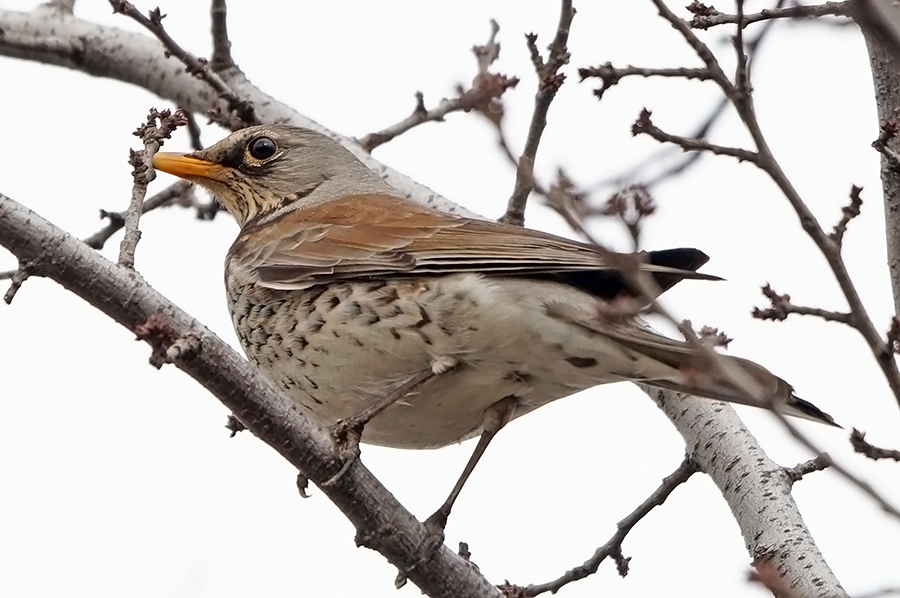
[608,284]
[684,258]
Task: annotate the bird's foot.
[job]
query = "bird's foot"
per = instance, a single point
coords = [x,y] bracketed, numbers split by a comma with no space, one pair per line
[346,434]
[436,523]
[434,539]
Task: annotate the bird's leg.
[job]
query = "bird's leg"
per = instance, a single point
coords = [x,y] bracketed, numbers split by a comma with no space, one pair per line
[495,417]
[354,425]
[348,432]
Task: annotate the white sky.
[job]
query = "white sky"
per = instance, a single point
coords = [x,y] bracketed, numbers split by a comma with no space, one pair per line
[119,480]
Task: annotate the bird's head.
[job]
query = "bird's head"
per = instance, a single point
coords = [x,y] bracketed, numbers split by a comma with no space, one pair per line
[255,171]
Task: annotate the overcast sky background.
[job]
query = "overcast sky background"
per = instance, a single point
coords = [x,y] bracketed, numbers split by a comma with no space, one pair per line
[120,480]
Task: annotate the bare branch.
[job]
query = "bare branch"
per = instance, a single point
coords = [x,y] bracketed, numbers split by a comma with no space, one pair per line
[861,445]
[17,278]
[221,45]
[819,463]
[613,546]
[193,129]
[382,523]
[701,49]
[549,82]
[849,212]
[706,17]
[611,75]
[761,502]
[861,484]
[116,220]
[782,308]
[134,58]
[636,172]
[765,160]
[644,125]
[152,135]
[483,96]
[196,66]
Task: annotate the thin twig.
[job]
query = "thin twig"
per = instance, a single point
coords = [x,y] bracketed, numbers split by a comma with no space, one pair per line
[863,446]
[549,82]
[483,96]
[194,131]
[766,161]
[644,125]
[848,213]
[195,66]
[17,278]
[613,546]
[781,308]
[704,17]
[221,45]
[611,75]
[419,116]
[683,163]
[116,220]
[152,134]
[864,486]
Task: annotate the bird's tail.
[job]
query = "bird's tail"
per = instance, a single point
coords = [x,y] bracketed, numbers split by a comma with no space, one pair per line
[685,367]
[773,392]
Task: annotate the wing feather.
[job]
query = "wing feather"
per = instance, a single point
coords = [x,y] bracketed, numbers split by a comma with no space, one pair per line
[369,236]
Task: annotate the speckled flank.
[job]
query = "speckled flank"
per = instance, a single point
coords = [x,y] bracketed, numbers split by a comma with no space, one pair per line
[336,349]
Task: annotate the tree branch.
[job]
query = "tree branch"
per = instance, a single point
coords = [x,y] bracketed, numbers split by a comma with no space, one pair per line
[549,82]
[766,161]
[773,528]
[221,45]
[613,546]
[139,60]
[382,523]
[483,96]
[706,17]
[198,67]
[152,135]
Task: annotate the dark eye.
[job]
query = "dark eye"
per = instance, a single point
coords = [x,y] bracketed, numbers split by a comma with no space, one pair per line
[262,148]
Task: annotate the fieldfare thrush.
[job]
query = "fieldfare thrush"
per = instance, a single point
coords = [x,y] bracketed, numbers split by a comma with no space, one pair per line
[424,327]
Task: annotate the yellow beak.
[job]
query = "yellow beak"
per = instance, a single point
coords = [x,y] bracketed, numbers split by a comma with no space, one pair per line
[186,167]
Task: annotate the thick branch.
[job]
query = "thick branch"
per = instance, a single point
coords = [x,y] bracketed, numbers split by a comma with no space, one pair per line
[382,523]
[756,489]
[195,66]
[135,58]
[885,66]
[221,51]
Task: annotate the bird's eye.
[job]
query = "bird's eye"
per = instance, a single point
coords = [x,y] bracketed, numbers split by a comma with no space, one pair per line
[262,148]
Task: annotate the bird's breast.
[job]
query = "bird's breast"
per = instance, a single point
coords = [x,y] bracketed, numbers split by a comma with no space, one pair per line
[337,348]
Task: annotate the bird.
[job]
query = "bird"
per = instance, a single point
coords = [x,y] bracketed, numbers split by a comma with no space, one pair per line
[423,328]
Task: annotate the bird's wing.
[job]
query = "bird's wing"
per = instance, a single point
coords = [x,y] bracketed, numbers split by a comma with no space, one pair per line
[380,236]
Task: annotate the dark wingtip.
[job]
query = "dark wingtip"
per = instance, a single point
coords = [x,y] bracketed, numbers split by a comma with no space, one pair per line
[810,411]
[686,259]
[682,258]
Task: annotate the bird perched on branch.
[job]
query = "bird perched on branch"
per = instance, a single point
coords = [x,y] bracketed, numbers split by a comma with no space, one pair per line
[423,328]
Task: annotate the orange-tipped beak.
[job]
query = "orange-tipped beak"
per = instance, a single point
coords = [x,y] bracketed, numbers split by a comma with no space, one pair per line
[185,166]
